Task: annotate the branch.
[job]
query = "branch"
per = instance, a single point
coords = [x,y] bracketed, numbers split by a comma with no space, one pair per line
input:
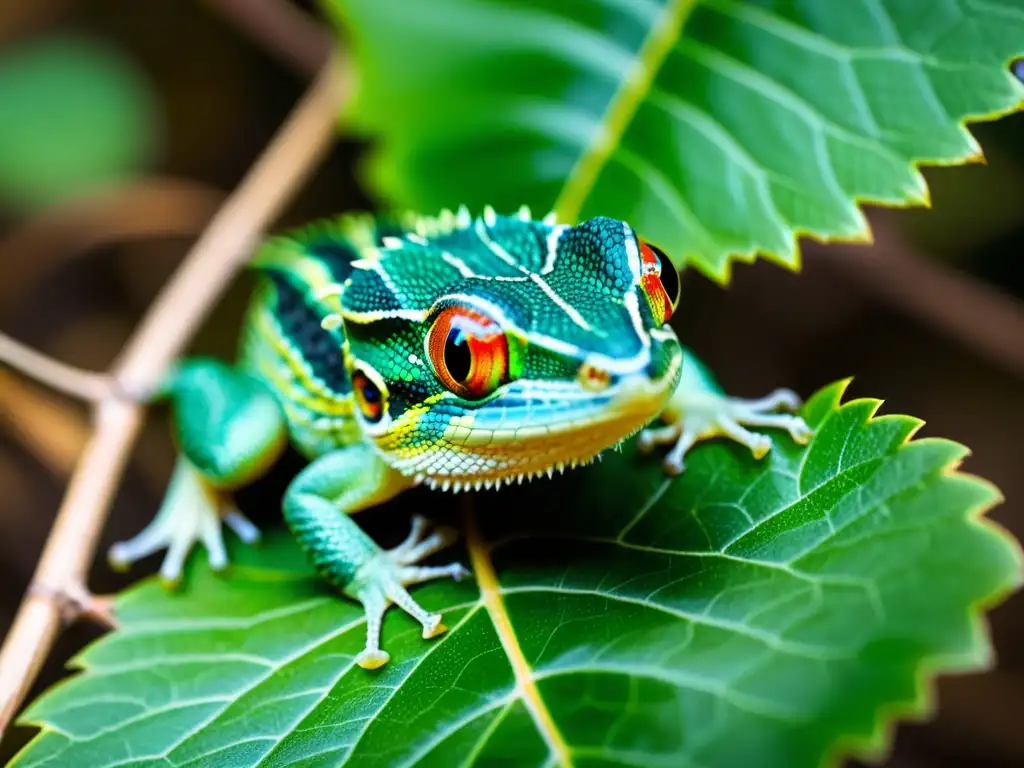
[86,385]
[218,254]
[982,318]
[287,31]
[151,207]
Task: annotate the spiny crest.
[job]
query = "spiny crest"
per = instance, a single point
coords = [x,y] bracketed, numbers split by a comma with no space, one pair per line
[367,238]
[456,485]
[489,248]
[419,229]
[332,293]
[357,229]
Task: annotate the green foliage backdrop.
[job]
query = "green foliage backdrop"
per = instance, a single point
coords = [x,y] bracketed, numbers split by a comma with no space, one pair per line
[76,115]
[720,128]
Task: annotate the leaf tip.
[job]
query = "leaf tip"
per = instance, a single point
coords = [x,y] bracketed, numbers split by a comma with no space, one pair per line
[824,401]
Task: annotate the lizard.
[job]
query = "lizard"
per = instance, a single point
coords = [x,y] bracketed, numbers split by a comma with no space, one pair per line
[457,351]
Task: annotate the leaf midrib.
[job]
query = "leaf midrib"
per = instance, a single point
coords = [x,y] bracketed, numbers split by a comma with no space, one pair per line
[491,597]
[622,108]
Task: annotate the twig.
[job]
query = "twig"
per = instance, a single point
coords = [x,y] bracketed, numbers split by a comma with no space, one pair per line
[52,429]
[151,207]
[20,20]
[181,307]
[78,603]
[289,32]
[86,385]
[984,319]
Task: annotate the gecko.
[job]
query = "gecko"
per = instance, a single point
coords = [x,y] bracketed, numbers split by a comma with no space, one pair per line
[456,351]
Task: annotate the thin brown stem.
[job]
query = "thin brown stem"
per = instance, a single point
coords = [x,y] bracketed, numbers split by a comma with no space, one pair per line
[86,385]
[218,254]
[290,33]
[979,316]
[148,208]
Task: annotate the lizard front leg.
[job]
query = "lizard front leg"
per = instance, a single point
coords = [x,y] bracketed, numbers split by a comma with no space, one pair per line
[317,506]
[229,430]
[699,410]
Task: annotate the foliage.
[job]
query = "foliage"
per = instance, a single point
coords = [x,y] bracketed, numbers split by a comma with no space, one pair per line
[76,114]
[720,128]
[748,613]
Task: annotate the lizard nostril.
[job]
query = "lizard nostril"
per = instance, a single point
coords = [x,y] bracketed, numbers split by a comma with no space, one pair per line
[593,378]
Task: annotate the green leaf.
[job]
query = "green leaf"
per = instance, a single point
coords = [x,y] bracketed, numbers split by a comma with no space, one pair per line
[748,613]
[76,114]
[720,128]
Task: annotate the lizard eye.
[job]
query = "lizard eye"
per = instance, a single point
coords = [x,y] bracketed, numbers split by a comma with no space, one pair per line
[660,282]
[369,396]
[469,351]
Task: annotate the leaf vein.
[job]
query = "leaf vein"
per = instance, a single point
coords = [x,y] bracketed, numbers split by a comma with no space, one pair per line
[775,642]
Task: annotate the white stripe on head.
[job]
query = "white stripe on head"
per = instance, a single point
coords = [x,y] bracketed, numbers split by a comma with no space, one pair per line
[363,318]
[552,245]
[565,306]
[459,264]
[631,300]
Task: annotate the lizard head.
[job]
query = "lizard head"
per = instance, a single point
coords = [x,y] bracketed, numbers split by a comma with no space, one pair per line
[486,350]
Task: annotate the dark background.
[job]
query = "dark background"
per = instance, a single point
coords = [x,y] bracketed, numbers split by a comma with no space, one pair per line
[928,319]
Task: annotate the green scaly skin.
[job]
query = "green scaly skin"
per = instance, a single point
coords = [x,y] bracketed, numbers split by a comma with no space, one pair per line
[454,351]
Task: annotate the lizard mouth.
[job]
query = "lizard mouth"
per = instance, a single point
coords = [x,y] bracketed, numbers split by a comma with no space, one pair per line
[558,426]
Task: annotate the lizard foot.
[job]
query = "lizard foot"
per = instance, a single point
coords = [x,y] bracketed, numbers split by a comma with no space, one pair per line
[696,416]
[382,580]
[191,513]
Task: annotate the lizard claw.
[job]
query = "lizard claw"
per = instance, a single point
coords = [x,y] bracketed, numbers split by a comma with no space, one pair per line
[382,580]
[702,415]
[190,514]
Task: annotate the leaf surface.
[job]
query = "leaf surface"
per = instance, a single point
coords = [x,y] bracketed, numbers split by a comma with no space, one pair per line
[721,129]
[748,613]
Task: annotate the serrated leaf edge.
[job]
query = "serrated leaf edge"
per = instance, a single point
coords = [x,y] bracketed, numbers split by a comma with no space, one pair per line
[623,106]
[875,746]
[878,745]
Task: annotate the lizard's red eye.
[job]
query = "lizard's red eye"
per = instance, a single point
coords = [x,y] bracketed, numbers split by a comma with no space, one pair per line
[369,396]
[660,282]
[469,351]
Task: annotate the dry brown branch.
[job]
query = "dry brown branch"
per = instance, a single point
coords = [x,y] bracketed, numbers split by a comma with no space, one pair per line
[287,31]
[86,385]
[981,317]
[152,207]
[181,307]
[52,430]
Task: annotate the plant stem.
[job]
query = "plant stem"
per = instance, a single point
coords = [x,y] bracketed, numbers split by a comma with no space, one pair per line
[180,308]
[293,35]
[984,319]
[151,207]
[86,385]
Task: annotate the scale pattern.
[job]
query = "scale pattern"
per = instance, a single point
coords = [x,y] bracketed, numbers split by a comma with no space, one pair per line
[564,296]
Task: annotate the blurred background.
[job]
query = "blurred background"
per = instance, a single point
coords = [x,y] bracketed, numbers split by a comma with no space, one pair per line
[124,124]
